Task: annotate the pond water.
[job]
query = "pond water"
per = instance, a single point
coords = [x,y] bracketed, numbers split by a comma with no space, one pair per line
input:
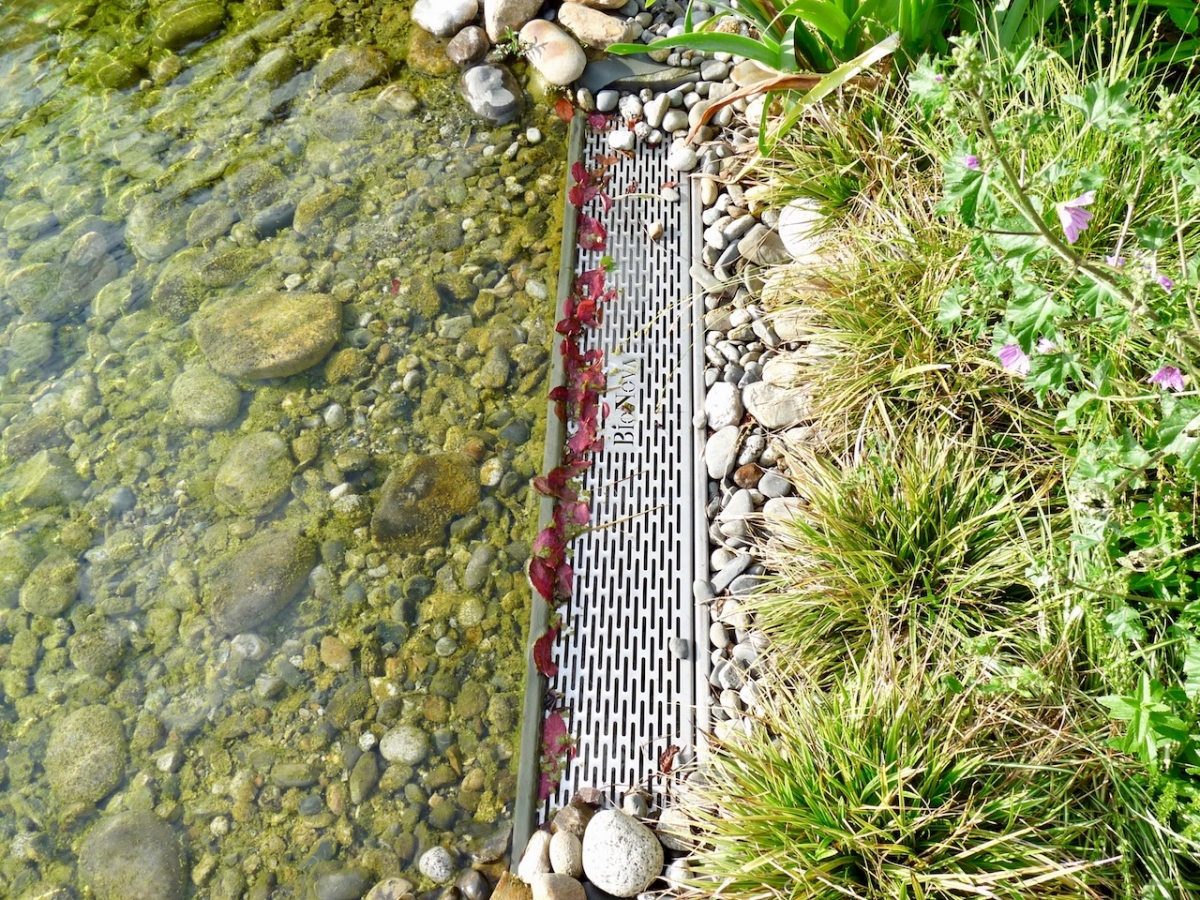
[254,260]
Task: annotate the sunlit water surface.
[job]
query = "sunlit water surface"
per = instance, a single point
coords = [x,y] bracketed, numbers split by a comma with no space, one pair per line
[197,617]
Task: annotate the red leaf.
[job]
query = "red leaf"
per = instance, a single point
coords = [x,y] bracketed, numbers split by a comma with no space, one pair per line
[556,739]
[592,234]
[547,785]
[550,545]
[587,312]
[598,121]
[541,653]
[559,394]
[564,109]
[395,288]
[565,580]
[579,173]
[541,576]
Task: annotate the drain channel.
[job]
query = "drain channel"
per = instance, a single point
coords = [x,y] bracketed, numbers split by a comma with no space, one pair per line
[628,666]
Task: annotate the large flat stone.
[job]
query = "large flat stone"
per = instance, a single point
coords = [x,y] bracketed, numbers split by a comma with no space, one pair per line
[271,334]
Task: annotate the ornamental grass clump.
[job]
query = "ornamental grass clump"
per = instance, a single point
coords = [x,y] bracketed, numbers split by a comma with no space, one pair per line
[925,536]
[890,786]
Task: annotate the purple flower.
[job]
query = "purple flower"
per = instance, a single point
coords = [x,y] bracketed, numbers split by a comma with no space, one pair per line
[939,78]
[1166,282]
[1045,345]
[1168,377]
[1013,359]
[1115,261]
[1074,217]
[971,161]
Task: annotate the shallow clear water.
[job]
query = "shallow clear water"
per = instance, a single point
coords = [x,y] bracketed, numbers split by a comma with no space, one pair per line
[190,545]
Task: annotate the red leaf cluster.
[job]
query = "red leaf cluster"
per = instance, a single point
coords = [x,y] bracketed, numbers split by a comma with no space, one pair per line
[578,402]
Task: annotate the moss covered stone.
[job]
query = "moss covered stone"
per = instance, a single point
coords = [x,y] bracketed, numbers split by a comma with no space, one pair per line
[420,498]
[52,586]
[203,399]
[46,479]
[184,21]
[269,334]
[86,755]
[96,648]
[346,69]
[133,856]
[252,584]
[255,475]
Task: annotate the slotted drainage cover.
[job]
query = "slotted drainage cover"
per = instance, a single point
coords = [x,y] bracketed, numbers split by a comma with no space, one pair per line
[627,666]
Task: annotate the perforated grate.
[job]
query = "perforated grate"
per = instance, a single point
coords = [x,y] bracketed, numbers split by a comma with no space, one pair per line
[627,665]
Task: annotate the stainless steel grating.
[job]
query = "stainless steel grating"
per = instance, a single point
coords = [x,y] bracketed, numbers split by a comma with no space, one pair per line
[627,666]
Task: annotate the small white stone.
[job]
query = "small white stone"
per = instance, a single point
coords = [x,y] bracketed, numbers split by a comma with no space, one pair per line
[682,158]
[606,101]
[536,858]
[621,139]
[566,854]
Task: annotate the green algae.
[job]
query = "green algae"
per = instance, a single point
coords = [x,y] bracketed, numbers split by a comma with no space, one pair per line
[216,143]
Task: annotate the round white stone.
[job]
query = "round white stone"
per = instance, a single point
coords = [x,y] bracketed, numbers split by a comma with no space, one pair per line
[620,854]
[436,865]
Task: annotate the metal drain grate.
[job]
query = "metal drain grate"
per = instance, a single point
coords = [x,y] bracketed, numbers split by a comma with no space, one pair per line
[628,667]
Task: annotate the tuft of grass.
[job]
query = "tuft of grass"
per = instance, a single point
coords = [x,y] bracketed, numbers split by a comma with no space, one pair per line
[927,534]
[886,788]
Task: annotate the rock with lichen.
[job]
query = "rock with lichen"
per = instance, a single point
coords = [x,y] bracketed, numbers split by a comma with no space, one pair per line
[421,498]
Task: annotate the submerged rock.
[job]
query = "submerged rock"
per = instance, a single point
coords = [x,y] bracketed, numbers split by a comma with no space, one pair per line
[52,586]
[269,334]
[203,399]
[133,856]
[156,227]
[46,479]
[253,583]
[180,23]
[86,754]
[347,69]
[492,92]
[420,499]
[255,475]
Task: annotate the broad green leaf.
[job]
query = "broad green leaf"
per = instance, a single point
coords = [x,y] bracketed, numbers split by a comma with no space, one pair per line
[1179,436]
[1155,234]
[928,87]
[950,307]
[825,16]
[965,190]
[1068,419]
[1032,312]
[787,49]
[1125,624]
[1104,105]
[1191,669]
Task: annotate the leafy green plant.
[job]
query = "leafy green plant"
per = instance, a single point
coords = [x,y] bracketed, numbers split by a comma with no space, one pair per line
[812,35]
